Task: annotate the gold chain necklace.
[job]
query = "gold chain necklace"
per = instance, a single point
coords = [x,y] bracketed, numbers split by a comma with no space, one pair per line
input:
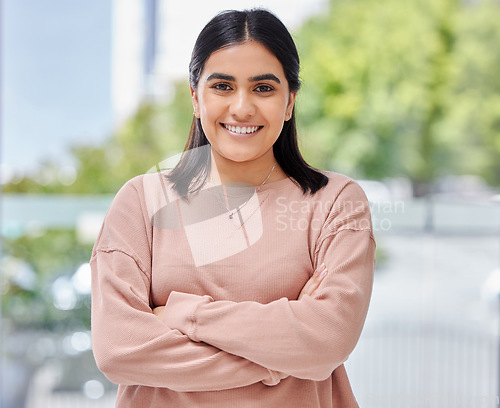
[231,213]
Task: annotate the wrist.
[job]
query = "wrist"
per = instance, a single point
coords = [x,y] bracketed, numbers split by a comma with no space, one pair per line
[180,312]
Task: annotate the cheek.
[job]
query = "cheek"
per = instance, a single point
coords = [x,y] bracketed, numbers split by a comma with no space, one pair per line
[275,114]
[277,107]
[210,108]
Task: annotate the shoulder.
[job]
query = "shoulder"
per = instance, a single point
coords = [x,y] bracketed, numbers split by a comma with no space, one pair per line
[350,209]
[148,186]
[341,187]
[138,183]
[127,226]
[340,190]
[336,178]
[139,199]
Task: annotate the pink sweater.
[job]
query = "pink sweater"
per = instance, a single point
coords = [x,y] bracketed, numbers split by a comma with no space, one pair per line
[233,333]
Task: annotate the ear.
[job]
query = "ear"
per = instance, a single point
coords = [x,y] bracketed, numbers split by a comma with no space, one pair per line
[194,100]
[290,105]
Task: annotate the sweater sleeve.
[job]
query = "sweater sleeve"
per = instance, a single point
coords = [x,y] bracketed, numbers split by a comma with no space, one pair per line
[307,338]
[130,344]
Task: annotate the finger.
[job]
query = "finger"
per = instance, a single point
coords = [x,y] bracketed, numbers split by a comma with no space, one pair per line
[322,273]
[315,280]
[319,271]
[307,289]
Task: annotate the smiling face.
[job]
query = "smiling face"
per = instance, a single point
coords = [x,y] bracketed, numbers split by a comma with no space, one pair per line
[243,100]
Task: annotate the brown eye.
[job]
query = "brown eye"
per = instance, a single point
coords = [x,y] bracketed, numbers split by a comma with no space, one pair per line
[221,87]
[264,88]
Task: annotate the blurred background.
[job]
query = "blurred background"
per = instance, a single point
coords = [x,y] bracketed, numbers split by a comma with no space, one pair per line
[403,95]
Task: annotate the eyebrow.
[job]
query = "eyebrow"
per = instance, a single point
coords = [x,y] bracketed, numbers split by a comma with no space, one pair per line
[224,77]
[263,77]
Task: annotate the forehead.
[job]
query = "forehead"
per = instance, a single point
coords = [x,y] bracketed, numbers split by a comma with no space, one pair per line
[243,61]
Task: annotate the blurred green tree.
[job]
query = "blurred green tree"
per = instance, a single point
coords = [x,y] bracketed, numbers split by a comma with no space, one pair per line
[29,269]
[394,88]
[155,132]
[402,88]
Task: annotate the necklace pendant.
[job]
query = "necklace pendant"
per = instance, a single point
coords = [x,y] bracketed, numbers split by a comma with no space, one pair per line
[230,215]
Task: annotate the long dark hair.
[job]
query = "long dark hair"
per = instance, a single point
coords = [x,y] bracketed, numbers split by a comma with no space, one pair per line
[235,27]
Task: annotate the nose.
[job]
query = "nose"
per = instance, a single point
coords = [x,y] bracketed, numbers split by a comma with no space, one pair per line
[242,105]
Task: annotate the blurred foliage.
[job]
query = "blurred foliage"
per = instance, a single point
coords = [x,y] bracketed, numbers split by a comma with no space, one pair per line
[402,88]
[28,272]
[155,132]
[395,88]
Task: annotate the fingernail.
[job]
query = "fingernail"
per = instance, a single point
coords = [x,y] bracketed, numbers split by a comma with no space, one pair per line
[323,273]
[321,268]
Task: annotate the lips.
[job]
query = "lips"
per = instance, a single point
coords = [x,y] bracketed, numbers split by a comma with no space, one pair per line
[242,130]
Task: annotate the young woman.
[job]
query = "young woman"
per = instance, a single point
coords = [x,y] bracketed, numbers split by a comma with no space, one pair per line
[242,277]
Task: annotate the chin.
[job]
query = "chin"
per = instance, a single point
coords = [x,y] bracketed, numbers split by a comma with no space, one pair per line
[239,157]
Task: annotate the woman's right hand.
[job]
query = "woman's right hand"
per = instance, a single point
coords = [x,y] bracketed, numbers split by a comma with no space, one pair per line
[314,281]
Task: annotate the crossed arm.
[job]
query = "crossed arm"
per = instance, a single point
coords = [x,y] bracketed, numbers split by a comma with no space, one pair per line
[309,288]
[319,330]
[133,347]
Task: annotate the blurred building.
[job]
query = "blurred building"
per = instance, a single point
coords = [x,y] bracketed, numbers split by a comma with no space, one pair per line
[133,53]
[152,42]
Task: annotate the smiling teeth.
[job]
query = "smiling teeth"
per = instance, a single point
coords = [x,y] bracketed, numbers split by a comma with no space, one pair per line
[242,130]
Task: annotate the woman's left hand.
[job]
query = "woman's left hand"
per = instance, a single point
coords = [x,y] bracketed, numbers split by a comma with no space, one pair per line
[314,281]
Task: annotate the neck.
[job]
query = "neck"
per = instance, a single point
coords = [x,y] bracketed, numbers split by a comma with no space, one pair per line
[253,173]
